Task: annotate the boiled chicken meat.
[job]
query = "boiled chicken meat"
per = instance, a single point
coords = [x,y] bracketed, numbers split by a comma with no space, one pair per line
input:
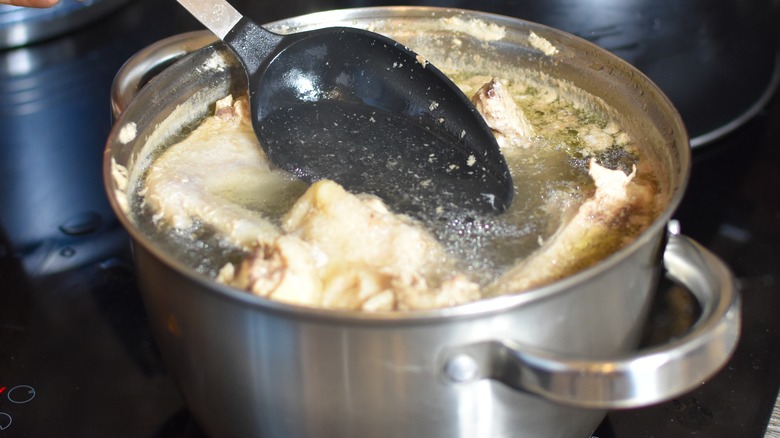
[511,128]
[604,223]
[617,211]
[211,177]
[345,251]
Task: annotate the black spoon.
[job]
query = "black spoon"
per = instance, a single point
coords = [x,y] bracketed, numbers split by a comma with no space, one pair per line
[363,110]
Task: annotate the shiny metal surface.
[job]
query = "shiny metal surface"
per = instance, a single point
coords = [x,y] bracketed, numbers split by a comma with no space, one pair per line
[151,60]
[248,366]
[19,26]
[252,368]
[621,382]
[219,16]
[773,430]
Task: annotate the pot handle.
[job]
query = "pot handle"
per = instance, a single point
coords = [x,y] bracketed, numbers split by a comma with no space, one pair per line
[629,381]
[150,61]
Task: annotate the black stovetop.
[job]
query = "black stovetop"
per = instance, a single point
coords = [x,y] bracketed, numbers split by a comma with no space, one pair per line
[77,358]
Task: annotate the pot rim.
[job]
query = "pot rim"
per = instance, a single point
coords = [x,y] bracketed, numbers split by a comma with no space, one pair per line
[477,308]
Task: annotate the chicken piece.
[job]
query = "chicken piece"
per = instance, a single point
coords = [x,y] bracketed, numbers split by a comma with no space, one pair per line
[507,121]
[360,230]
[364,256]
[604,223]
[282,271]
[212,176]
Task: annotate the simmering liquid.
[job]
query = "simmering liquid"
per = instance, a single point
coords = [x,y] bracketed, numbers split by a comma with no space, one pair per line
[550,168]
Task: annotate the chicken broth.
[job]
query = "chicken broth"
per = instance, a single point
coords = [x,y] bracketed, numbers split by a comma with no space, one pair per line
[582,191]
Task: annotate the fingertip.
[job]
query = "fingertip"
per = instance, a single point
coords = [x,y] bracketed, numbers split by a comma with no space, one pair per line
[32,3]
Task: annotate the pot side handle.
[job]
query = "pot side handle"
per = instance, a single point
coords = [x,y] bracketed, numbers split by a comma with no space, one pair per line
[638,379]
[151,60]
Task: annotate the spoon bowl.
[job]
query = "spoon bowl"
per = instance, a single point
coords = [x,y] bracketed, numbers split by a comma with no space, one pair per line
[363,110]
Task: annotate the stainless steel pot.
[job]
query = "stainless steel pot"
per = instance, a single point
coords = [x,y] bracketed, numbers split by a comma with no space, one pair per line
[21,26]
[547,362]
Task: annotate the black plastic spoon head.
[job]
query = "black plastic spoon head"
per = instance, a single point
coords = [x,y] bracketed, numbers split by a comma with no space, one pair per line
[363,110]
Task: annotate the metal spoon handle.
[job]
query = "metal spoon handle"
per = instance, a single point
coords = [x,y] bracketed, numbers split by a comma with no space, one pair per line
[249,41]
[218,16]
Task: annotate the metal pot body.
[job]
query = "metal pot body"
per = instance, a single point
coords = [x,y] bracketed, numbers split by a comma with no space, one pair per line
[546,362]
[249,370]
